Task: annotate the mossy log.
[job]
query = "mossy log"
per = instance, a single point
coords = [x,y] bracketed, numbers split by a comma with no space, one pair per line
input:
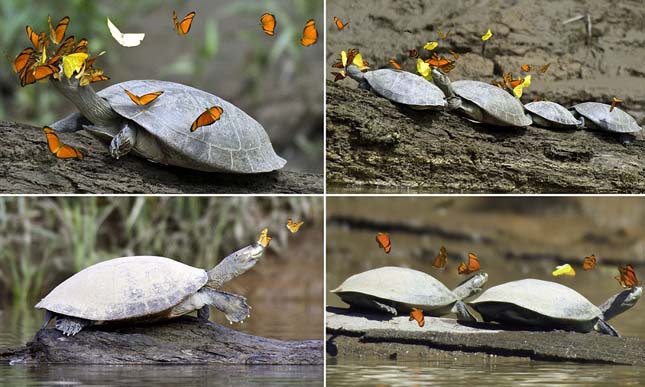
[27,167]
[186,340]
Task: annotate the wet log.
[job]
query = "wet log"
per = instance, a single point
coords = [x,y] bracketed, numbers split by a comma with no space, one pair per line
[365,335]
[374,144]
[186,340]
[27,167]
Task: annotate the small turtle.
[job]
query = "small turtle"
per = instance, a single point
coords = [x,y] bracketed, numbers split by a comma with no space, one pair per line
[400,87]
[482,102]
[549,305]
[146,289]
[597,116]
[552,115]
[160,131]
[397,290]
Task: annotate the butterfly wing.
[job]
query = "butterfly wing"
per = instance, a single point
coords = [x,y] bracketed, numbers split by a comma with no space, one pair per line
[33,37]
[57,148]
[183,26]
[57,34]
[268,23]
[309,33]
[22,59]
[211,115]
[441,258]
[589,262]
[264,238]
[395,64]
[417,315]
[147,98]
[473,263]
[339,24]
[384,242]
[42,72]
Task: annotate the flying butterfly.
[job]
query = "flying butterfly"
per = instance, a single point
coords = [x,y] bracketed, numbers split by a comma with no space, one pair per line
[589,262]
[268,23]
[615,101]
[264,238]
[294,227]
[183,26]
[20,63]
[61,151]
[125,39]
[443,36]
[211,115]
[339,24]
[441,258]
[627,277]
[565,269]
[473,265]
[417,314]
[383,240]
[57,34]
[395,64]
[309,33]
[413,53]
[144,99]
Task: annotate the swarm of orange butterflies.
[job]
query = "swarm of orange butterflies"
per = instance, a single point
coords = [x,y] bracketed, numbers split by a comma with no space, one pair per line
[40,62]
[352,56]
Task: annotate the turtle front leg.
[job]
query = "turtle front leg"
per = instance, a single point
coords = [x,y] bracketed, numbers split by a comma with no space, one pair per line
[124,141]
[462,312]
[232,305]
[204,312]
[70,326]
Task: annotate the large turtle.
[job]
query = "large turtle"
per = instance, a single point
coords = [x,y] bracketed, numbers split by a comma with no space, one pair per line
[400,87]
[482,102]
[146,289]
[597,116]
[552,115]
[160,130]
[549,305]
[397,290]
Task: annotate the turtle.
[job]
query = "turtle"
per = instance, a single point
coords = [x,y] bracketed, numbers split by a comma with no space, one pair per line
[552,115]
[482,102]
[161,130]
[400,86]
[139,289]
[397,290]
[549,305]
[596,115]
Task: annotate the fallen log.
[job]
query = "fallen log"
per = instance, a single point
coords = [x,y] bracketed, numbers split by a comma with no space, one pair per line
[352,334]
[27,167]
[185,340]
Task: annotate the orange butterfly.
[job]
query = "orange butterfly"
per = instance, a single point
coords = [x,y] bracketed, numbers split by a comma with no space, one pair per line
[264,239]
[268,23]
[526,68]
[627,277]
[442,35]
[384,242]
[38,41]
[395,64]
[61,151]
[22,59]
[211,115]
[417,314]
[413,53]
[40,72]
[57,34]
[454,54]
[339,24]
[615,101]
[443,63]
[339,75]
[510,82]
[144,99]
[81,46]
[294,227]
[473,265]
[545,68]
[589,262]
[441,258]
[66,47]
[183,26]
[309,33]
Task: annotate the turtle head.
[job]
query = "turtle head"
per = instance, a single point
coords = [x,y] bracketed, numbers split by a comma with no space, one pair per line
[471,286]
[234,265]
[442,81]
[439,78]
[620,302]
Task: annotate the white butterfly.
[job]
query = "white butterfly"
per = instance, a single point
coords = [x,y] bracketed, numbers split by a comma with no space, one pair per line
[126,40]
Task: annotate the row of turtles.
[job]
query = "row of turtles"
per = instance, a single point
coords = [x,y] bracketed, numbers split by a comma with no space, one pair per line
[486,103]
[527,302]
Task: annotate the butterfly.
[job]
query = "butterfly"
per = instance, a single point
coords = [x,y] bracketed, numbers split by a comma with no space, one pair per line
[383,240]
[61,151]
[627,277]
[441,258]
[183,26]
[589,262]
[545,68]
[268,23]
[39,72]
[487,35]
[443,63]
[294,227]
[211,115]
[21,61]
[82,46]
[264,238]
[57,34]
[127,39]
[430,46]
[442,35]
[66,47]
[339,24]
[339,75]
[565,269]
[615,101]
[309,33]
[417,314]
[395,64]
[526,68]
[144,99]
[38,41]
[454,54]
[413,53]
[473,265]
[73,63]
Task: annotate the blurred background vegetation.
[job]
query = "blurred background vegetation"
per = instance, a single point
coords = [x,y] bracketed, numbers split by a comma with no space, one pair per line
[44,240]
[274,79]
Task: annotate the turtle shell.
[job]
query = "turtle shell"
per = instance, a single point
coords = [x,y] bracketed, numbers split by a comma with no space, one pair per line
[614,121]
[125,288]
[236,143]
[544,298]
[408,287]
[405,88]
[498,103]
[552,112]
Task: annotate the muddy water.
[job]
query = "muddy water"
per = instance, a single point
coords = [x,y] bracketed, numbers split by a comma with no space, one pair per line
[514,238]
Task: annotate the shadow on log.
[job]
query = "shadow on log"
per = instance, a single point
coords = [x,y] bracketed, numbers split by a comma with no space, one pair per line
[185,340]
[27,166]
[351,334]
[373,144]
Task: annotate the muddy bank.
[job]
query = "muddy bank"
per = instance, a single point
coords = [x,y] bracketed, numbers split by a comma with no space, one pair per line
[186,340]
[368,337]
[27,166]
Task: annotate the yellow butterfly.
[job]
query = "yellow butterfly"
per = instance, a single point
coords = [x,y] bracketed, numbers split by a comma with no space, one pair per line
[517,90]
[565,269]
[487,35]
[424,69]
[294,227]
[264,238]
[431,46]
[73,62]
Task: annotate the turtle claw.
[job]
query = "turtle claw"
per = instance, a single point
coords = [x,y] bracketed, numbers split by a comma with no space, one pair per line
[70,326]
[123,142]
